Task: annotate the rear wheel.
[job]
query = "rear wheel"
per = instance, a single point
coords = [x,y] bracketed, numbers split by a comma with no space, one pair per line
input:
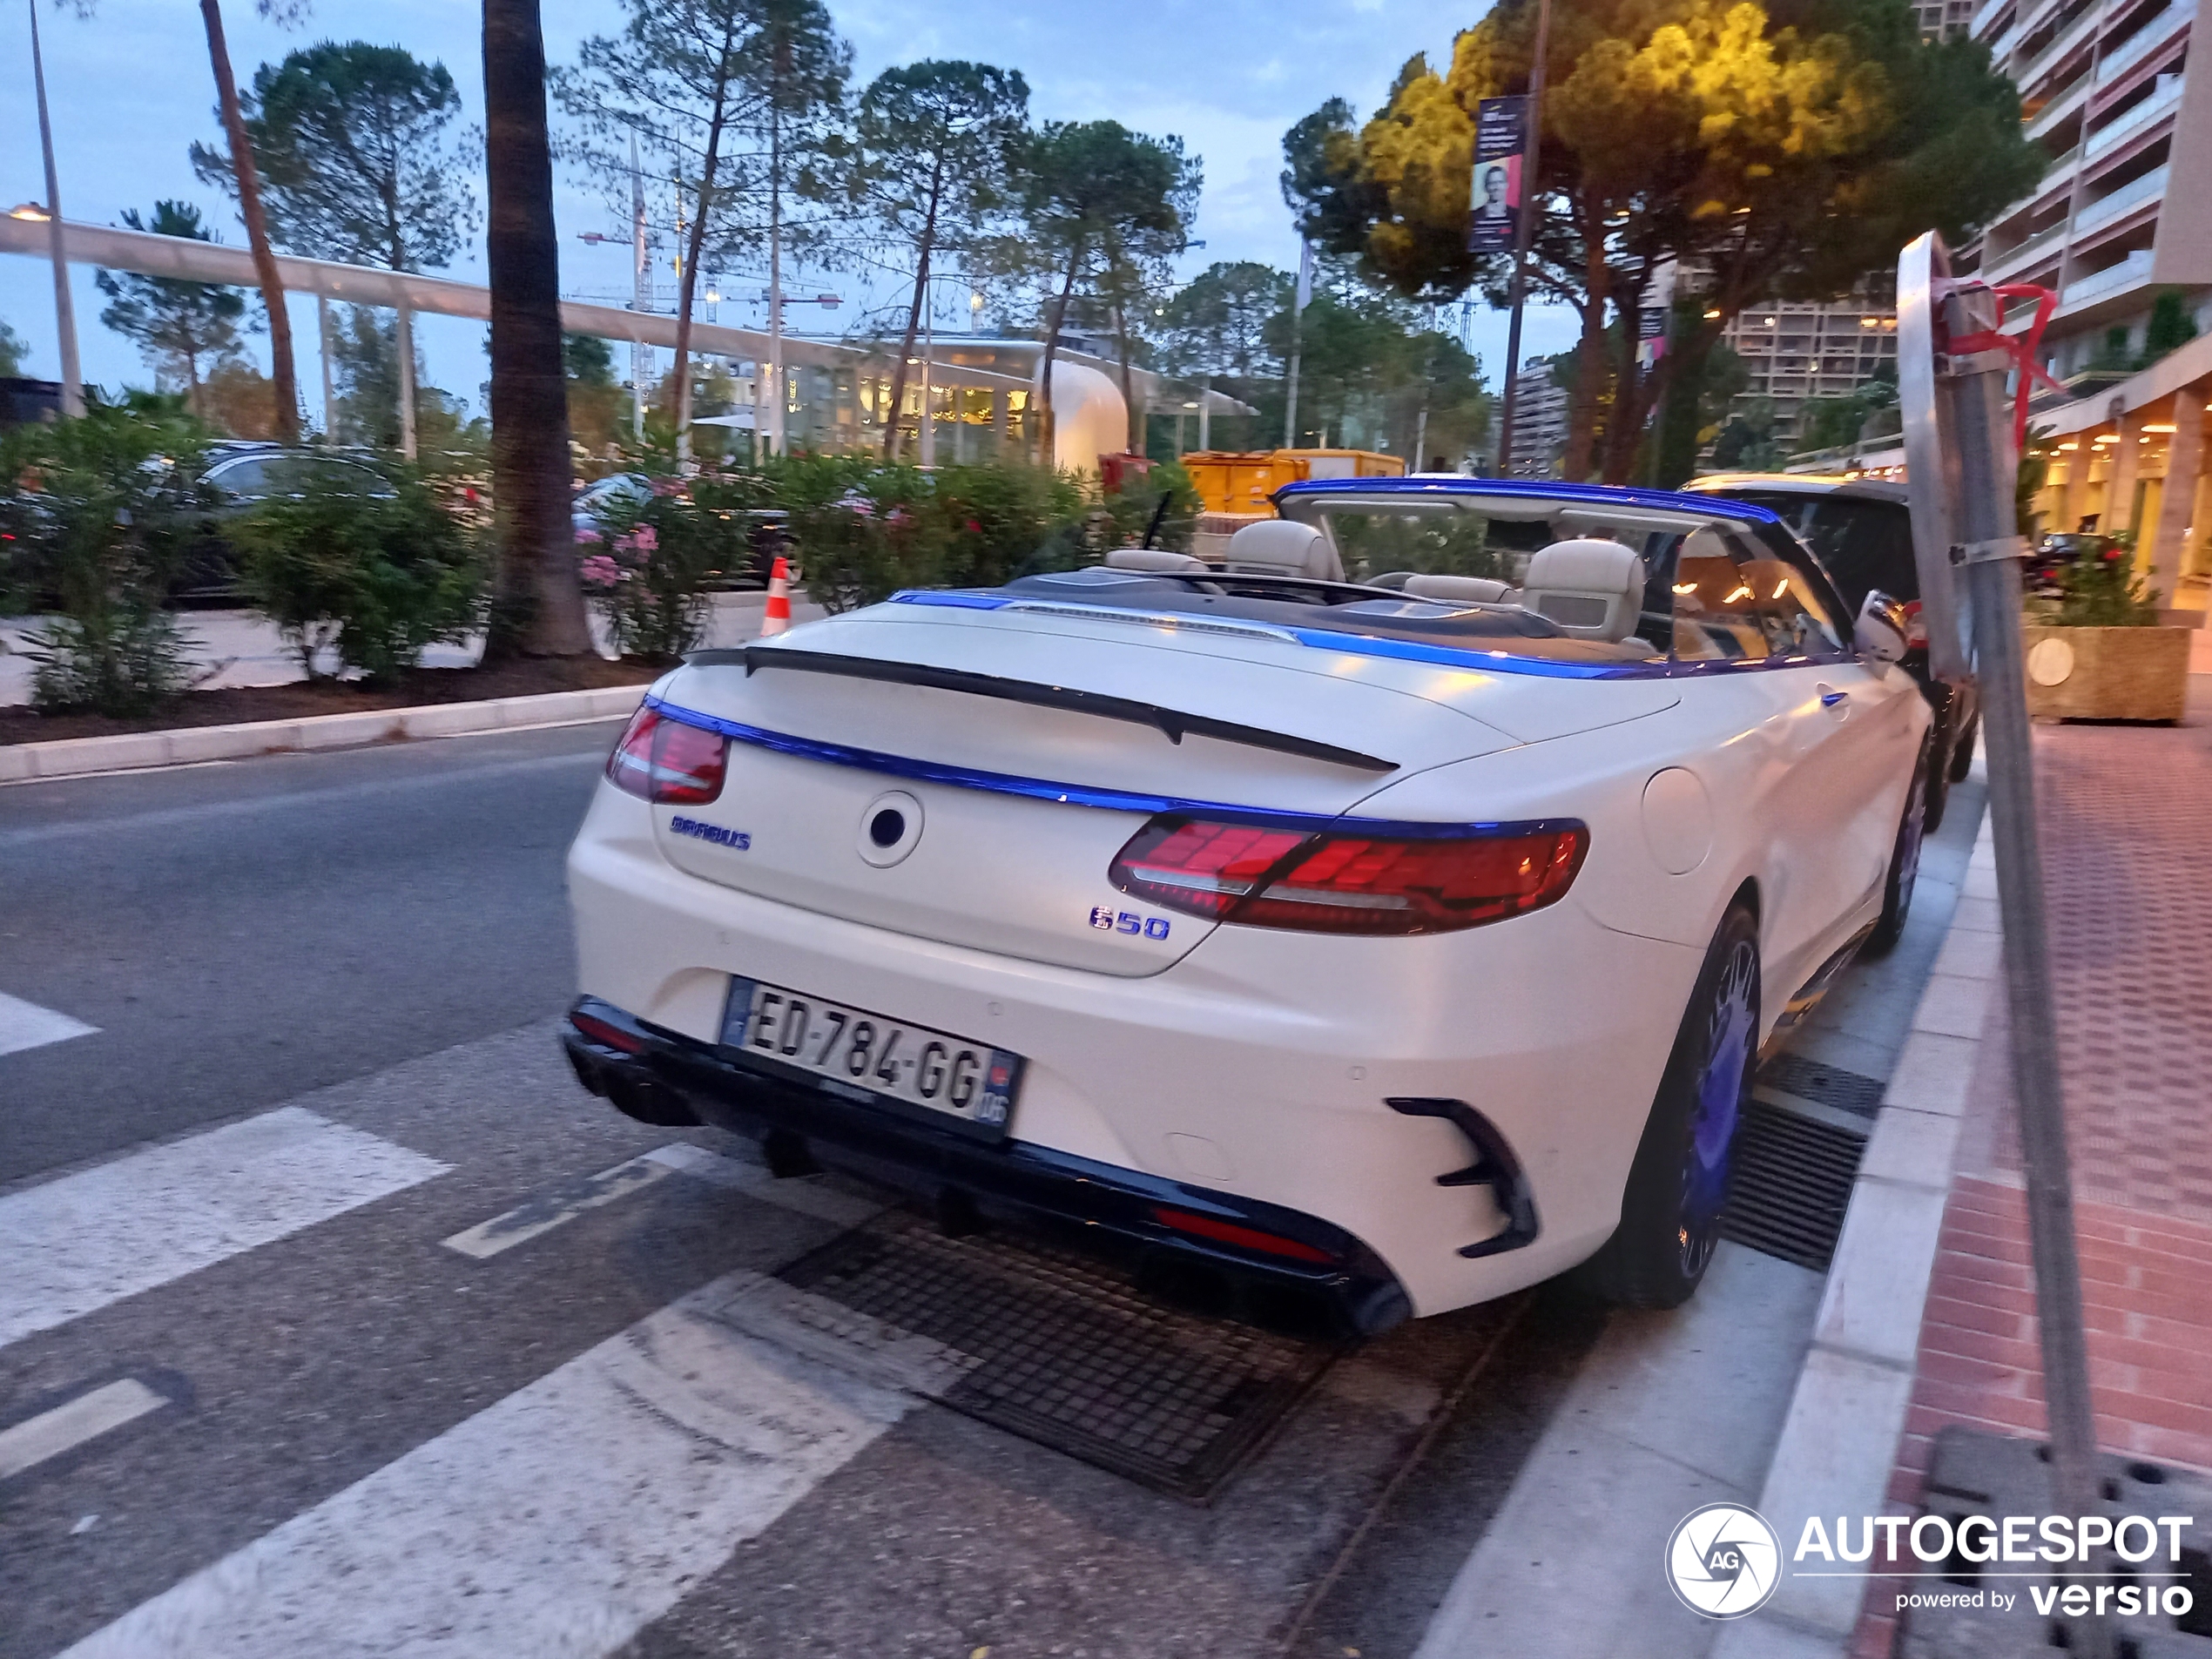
[1670,1212]
[1905,863]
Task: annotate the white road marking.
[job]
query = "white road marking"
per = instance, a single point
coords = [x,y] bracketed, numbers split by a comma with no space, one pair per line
[40,1438]
[565,1203]
[25,1025]
[803,1193]
[544,1213]
[557,1522]
[75,1244]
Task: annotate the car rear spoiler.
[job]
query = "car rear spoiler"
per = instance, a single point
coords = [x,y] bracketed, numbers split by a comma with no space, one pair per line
[1173,723]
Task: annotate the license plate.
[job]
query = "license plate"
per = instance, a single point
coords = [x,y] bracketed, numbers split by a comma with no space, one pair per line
[871,1059]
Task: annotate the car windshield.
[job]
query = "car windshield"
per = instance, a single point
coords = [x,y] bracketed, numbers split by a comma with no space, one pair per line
[1863,543]
[1578,578]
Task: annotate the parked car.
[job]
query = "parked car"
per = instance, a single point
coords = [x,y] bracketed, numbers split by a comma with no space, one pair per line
[1861,531]
[240,476]
[619,490]
[2058,553]
[1366,948]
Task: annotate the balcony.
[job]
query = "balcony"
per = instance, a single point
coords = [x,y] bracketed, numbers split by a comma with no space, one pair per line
[2129,196]
[2159,104]
[2015,261]
[2063,105]
[2102,284]
[1985,14]
[2072,35]
[2159,31]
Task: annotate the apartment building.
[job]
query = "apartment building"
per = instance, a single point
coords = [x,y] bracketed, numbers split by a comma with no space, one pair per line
[1539,422]
[2121,214]
[1797,352]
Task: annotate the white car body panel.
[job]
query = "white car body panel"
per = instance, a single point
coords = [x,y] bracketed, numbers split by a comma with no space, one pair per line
[1254,1061]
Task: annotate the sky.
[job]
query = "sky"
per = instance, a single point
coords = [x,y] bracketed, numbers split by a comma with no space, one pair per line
[130,88]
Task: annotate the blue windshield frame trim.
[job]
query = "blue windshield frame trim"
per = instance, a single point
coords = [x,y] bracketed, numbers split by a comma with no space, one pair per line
[1412,651]
[1112,800]
[1582,495]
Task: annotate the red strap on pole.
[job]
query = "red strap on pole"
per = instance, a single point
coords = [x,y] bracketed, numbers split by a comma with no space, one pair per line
[2019,347]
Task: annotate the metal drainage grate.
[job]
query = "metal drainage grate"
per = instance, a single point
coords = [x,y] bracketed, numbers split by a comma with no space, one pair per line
[1826,1085]
[1071,1356]
[1792,1183]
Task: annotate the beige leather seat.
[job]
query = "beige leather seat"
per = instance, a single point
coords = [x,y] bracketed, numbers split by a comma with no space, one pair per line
[1278,547]
[1466,590]
[1591,588]
[1153,559]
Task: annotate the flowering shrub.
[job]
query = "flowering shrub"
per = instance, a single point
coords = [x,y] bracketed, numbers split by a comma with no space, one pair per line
[649,566]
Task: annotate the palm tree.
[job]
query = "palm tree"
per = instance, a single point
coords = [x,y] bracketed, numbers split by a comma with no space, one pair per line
[537,602]
[282,379]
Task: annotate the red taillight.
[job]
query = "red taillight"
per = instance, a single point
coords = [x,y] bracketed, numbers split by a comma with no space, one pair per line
[1915,624]
[611,1036]
[1338,882]
[1228,1233]
[667,762]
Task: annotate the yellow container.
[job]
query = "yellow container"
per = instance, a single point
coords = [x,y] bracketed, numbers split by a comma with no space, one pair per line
[1241,481]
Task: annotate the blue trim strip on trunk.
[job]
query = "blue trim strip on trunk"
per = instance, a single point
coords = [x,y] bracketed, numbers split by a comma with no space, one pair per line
[1112,800]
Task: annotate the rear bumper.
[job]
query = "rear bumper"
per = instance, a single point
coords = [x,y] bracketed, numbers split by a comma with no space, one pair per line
[1097,1207]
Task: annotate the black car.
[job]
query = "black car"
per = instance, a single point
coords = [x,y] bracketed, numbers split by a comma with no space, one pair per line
[1861,531]
[239,477]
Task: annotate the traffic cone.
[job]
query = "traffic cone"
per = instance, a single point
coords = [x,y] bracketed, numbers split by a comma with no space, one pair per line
[779,614]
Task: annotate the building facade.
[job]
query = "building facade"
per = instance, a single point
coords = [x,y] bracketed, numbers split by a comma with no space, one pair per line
[2120,216]
[1539,422]
[1796,352]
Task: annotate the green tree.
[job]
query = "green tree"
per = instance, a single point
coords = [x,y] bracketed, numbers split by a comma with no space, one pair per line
[13,349]
[597,401]
[936,140]
[359,163]
[1782,152]
[677,79]
[184,328]
[1747,442]
[537,602]
[1100,206]
[2170,327]
[1227,323]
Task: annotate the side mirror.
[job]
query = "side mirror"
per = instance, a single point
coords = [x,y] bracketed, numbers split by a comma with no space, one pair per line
[1880,634]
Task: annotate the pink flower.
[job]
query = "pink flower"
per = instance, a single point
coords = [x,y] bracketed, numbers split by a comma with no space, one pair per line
[599,571]
[645,539]
[589,535]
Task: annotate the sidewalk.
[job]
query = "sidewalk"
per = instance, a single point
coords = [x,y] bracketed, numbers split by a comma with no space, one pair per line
[2125,815]
[243,648]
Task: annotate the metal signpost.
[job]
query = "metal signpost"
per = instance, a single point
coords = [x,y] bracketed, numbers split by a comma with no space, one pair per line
[1961,462]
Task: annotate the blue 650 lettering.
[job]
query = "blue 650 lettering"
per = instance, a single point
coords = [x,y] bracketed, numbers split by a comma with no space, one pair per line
[736,840]
[1128,921]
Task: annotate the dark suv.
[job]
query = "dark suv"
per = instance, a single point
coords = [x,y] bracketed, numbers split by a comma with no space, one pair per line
[1861,531]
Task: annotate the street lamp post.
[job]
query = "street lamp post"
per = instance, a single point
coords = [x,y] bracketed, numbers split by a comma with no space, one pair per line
[64,308]
[1523,229]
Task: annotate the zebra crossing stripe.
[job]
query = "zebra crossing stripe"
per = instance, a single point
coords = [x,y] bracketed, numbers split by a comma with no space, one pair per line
[76,1243]
[557,1522]
[25,1025]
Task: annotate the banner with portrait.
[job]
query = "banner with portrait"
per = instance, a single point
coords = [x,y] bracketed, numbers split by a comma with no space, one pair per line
[1500,142]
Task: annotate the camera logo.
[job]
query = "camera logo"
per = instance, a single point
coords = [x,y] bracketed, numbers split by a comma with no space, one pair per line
[1723,1560]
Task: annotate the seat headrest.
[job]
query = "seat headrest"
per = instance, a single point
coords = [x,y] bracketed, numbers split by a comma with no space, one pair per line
[1592,589]
[1278,547]
[1152,558]
[1473,590]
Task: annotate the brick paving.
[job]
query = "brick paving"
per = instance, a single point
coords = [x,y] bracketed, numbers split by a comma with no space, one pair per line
[2126,814]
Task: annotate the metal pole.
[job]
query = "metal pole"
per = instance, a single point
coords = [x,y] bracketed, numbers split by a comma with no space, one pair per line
[1988,531]
[641,292]
[1523,230]
[323,337]
[406,343]
[1304,291]
[64,308]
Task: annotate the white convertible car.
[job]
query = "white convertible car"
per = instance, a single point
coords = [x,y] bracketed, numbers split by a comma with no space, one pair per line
[1374,946]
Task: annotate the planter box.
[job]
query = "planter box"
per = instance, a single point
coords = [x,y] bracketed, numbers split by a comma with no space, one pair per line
[2108,673]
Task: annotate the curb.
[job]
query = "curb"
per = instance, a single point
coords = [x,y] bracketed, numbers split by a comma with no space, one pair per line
[1839,1441]
[189,745]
